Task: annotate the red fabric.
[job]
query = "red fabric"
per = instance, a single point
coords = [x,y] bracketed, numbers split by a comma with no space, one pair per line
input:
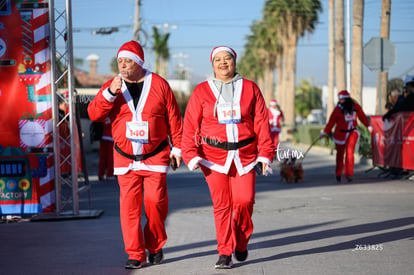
[337,118]
[275,117]
[64,146]
[106,158]
[160,110]
[134,47]
[233,200]
[343,94]
[132,186]
[346,151]
[275,138]
[106,147]
[392,141]
[200,121]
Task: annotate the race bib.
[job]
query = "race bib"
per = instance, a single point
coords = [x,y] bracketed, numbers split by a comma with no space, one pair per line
[137,131]
[350,117]
[226,114]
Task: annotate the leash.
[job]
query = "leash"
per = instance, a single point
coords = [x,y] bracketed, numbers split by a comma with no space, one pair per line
[313,143]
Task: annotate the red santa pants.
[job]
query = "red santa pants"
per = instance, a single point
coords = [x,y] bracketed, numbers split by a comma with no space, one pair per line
[275,138]
[233,199]
[106,158]
[132,186]
[348,150]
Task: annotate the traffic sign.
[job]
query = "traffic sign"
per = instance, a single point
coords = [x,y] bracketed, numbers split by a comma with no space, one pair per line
[379,54]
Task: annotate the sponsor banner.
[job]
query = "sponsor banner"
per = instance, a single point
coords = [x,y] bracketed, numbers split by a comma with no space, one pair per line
[25,98]
[393,141]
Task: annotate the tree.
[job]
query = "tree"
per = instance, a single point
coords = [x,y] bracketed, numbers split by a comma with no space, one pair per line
[357,48]
[307,97]
[340,45]
[161,50]
[331,57]
[293,19]
[384,33]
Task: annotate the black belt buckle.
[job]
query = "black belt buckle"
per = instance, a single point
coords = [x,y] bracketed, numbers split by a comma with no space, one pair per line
[231,146]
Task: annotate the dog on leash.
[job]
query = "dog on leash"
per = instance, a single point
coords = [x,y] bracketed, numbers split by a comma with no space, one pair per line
[291,170]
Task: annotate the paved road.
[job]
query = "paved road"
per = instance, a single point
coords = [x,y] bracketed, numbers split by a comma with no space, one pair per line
[313,227]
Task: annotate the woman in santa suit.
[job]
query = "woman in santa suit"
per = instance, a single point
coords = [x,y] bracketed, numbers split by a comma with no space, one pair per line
[275,117]
[145,118]
[226,133]
[346,135]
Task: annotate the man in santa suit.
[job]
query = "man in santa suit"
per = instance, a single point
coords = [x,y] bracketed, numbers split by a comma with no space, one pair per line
[106,156]
[145,119]
[275,117]
[226,133]
[346,135]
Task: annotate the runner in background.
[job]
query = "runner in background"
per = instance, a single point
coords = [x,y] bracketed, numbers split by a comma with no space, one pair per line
[275,118]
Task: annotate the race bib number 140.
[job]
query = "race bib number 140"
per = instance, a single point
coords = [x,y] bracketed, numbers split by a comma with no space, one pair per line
[137,131]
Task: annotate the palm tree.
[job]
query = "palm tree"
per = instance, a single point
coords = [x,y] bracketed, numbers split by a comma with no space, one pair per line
[258,60]
[249,64]
[384,33]
[340,45]
[162,53]
[331,57]
[357,47]
[294,18]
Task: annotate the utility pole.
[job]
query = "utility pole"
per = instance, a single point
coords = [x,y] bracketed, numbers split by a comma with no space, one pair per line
[384,33]
[137,20]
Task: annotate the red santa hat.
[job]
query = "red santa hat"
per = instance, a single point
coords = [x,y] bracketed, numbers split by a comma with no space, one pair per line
[132,50]
[273,102]
[222,48]
[343,94]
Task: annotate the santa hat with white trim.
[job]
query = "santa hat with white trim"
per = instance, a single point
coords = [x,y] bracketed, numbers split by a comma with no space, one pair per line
[273,102]
[343,94]
[132,50]
[222,48]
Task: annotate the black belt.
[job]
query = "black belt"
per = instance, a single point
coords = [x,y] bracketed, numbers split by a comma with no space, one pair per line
[347,131]
[143,156]
[228,145]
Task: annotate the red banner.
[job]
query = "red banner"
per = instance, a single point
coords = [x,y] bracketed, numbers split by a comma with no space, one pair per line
[26,123]
[393,141]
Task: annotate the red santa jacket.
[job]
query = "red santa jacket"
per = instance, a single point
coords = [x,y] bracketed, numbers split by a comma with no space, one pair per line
[201,122]
[157,106]
[274,119]
[345,124]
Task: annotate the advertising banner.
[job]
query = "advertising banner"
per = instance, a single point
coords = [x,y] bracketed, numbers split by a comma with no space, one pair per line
[26,128]
[393,141]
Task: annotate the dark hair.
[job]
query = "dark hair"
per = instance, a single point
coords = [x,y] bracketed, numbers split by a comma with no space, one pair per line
[347,106]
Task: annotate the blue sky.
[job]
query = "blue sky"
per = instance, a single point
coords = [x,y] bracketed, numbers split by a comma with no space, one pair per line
[202,25]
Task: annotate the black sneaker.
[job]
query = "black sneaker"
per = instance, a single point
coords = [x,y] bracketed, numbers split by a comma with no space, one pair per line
[156,258]
[241,256]
[338,179]
[349,178]
[224,262]
[133,264]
